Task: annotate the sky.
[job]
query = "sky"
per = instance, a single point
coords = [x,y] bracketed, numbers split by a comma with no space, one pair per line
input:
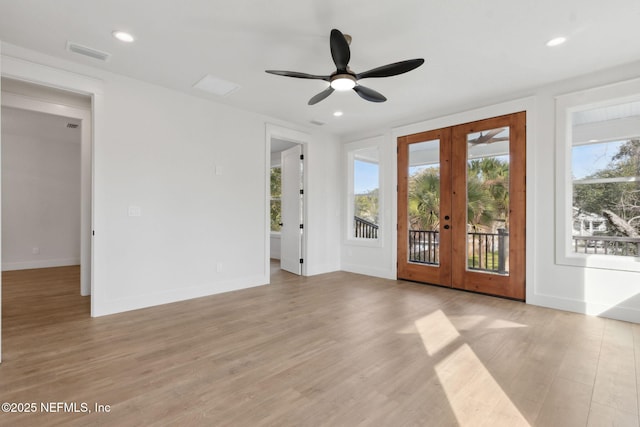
[365,176]
[590,158]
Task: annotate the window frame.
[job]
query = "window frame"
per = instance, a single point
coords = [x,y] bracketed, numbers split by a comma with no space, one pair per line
[566,105]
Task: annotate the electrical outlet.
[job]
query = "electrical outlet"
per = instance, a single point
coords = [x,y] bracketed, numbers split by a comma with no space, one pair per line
[135,211]
[35,251]
[219,267]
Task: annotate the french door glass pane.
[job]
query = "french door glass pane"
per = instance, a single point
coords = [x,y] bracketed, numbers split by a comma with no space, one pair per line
[424,202]
[488,201]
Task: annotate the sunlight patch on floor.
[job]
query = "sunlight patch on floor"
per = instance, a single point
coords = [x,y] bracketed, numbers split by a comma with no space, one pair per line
[472,392]
[439,330]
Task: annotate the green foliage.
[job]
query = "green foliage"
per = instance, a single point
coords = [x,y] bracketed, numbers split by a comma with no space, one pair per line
[276,193]
[276,182]
[424,200]
[487,195]
[367,206]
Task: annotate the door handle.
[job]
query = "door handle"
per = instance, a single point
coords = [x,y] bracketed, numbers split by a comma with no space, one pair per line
[446,227]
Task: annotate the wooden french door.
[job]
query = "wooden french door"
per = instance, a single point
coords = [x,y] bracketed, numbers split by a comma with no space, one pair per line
[461,206]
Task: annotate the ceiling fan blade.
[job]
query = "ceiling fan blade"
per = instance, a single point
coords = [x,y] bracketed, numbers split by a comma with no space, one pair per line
[298,75]
[369,94]
[488,137]
[392,69]
[322,95]
[340,51]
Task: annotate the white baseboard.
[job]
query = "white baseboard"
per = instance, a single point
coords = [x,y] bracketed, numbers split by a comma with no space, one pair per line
[368,271]
[103,308]
[321,269]
[45,263]
[592,309]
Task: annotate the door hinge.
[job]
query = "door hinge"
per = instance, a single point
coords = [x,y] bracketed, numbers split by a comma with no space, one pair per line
[301,191]
[93,232]
[301,156]
[301,226]
[301,261]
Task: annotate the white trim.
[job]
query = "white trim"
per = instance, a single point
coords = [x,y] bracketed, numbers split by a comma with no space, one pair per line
[588,308]
[369,271]
[45,263]
[607,180]
[348,153]
[566,105]
[182,294]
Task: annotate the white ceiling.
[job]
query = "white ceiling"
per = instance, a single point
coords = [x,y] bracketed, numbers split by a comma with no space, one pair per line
[33,124]
[476,51]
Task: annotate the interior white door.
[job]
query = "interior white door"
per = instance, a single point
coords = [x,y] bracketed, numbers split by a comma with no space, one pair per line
[291,231]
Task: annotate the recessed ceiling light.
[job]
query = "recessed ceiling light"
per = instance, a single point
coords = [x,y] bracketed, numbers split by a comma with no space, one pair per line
[338,113]
[123,36]
[556,41]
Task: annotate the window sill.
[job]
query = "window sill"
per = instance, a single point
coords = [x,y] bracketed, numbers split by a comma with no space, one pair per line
[605,262]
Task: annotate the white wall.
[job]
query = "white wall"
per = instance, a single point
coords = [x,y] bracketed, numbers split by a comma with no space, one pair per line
[586,290]
[199,232]
[40,201]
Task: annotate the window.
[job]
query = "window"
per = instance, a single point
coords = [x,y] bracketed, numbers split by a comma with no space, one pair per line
[364,192]
[600,193]
[276,202]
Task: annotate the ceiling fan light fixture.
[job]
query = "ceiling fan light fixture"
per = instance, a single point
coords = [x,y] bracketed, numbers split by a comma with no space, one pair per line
[343,82]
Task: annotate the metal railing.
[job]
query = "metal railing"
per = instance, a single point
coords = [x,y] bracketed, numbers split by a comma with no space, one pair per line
[489,251]
[364,229]
[607,245]
[486,251]
[424,246]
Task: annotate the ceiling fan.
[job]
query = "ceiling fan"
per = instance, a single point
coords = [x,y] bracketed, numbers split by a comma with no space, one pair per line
[344,78]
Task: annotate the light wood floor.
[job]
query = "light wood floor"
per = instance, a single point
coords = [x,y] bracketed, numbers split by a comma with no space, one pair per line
[333,350]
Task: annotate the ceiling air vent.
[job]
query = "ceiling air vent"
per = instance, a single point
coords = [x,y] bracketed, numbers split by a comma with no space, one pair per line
[316,122]
[72,125]
[88,51]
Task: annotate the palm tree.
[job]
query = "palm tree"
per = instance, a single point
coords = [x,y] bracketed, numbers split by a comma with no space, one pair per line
[424,200]
[491,175]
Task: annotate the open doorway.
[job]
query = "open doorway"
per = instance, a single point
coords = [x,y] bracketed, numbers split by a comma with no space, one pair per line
[286,207]
[280,144]
[46,202]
